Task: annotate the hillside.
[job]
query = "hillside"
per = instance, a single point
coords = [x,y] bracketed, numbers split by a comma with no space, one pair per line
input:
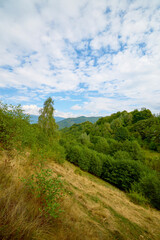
[91,208]
[71,121]
[36,203]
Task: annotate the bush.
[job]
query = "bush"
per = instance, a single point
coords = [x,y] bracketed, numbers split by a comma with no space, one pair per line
[114,146]
[95,164]
[102,145]
[48,191]
[149,186]
[80,156]
[73,153]
[14,127]
[138,198]
[121,134]
[122,155]
[134,150]
[84,159]
[122,173]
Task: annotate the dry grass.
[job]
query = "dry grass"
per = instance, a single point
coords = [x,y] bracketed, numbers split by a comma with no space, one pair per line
[92,209]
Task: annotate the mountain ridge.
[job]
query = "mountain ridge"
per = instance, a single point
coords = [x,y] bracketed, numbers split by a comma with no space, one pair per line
[67,122]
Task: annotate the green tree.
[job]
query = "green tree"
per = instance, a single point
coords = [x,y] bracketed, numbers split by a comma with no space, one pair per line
[46,119]
[121,134]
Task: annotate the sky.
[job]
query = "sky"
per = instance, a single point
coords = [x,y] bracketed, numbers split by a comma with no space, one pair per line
[93,57]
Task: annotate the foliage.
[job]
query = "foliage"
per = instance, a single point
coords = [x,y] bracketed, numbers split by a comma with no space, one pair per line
[86,159]
[74,153]
[121,134]
[101,145]
[149,186]
[47,190]
[46,120]
[15,129]
[122,155]
[121,173]
[141,115]
[95,164]
[138,198]
[134,150]
[84,139]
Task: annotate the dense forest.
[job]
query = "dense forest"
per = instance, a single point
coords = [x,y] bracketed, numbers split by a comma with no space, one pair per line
[122,149]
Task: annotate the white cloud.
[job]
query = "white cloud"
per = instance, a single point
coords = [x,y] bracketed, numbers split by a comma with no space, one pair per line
[112,47]
[31,109]
[76,107]
[65,114]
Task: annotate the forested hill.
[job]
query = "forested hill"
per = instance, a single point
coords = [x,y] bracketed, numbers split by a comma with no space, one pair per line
[71,121]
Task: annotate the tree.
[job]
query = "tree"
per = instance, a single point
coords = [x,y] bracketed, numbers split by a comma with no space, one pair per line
[46,120]
[121,134]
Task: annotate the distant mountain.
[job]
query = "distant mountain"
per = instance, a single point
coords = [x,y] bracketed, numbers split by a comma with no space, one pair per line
[57,119]
[34,119]
[68,122]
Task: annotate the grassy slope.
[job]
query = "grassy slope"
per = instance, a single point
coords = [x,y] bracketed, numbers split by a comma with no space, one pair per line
[93,209]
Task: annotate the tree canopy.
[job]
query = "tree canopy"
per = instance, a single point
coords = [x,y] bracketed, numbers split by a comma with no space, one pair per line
[46,119]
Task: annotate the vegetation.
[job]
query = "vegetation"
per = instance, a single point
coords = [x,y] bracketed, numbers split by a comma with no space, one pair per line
[114,149]
[122,149]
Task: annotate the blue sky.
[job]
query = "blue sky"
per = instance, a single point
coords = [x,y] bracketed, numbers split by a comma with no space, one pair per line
[93,57]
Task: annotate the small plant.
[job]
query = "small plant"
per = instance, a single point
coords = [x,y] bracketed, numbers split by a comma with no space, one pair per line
[78,171]
[47,189]
[138,198]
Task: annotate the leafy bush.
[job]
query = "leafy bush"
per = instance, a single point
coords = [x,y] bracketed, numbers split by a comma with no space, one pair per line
[122,173]
[84,159]
[95,164]
[122,155]
[121,134]
[149,186]
[48,191]
[101,145]
[138,198]
[134,150]
[14,127]
[84,139]
[74,153]
[114,146]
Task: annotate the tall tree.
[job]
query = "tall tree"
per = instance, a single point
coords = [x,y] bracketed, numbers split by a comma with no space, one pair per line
[46,119]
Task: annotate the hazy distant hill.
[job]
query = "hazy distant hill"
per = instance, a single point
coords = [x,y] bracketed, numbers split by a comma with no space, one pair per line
[68,122]
[34,119]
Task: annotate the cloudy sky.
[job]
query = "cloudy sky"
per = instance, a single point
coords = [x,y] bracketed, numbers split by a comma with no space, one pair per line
[93,57]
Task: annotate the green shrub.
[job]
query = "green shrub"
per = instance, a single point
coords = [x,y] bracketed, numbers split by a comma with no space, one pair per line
[149,186]
[121,173]
[102,145]
[95,164]
[134,150]
[47,189]
[73,153]
[14,127]
[85,160]
[121,134]
[114,146]
[138,198]
[122,155]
